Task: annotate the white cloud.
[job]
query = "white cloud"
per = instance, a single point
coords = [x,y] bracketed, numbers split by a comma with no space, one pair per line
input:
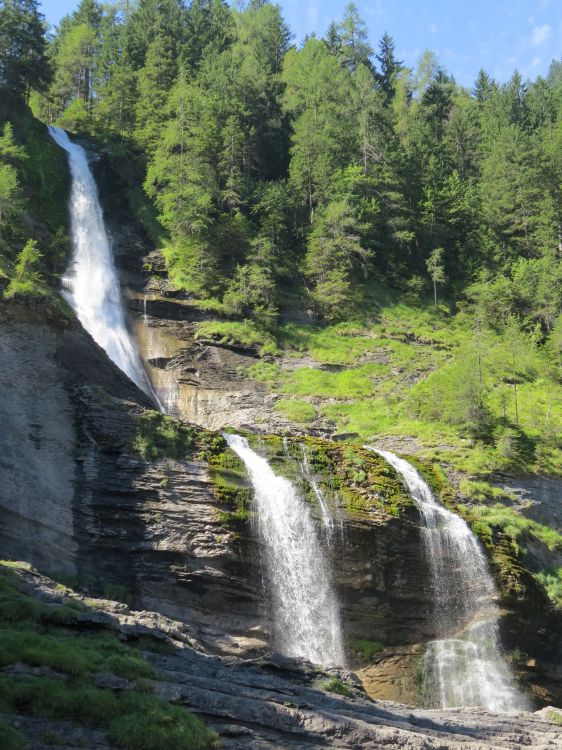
[432,28]
[535,63]
[540,35]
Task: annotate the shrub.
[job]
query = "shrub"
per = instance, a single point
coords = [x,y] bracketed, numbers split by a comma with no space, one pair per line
[335,685]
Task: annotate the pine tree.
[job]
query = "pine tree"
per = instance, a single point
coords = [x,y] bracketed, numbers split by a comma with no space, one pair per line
[154,82]
[318,96]
[23,51]
[389,66]
[354,43]
[334,252]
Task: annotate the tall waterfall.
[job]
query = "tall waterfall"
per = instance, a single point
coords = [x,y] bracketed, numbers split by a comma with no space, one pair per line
[305,608]
[464,666]
[91,284]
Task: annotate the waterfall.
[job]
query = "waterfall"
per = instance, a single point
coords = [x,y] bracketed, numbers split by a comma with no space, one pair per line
[91,285]
[464,666]
[305,609]
[325,512]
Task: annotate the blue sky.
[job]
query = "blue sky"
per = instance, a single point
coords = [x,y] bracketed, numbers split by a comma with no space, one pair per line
[498,35]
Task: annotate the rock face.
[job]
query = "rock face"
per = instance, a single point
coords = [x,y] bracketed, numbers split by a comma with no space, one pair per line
[78,501]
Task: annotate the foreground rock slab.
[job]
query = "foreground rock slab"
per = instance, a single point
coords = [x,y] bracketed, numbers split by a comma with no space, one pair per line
[274,702]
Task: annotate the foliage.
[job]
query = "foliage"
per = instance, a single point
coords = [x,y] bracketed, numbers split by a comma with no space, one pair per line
[24,65]
[551,581]
[337,686]
[365,647]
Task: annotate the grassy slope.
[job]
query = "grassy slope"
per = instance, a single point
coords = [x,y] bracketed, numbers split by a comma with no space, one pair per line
[373,379]
[44,635]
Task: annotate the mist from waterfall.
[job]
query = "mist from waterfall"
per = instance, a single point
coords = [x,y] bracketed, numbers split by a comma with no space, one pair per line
[305,611]
[464,666]
[91,285]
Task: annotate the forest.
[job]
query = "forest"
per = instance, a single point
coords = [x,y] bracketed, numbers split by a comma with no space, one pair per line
[324,178]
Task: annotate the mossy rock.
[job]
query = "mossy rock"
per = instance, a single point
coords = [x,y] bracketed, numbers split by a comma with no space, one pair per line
[359,479]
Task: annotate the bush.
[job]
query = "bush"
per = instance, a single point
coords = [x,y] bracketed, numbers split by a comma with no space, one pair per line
[27,281]
[551,581]
[335,685]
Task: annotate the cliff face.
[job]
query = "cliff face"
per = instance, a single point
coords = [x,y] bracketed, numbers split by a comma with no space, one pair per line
[95,491]
[79,501]
[159,528]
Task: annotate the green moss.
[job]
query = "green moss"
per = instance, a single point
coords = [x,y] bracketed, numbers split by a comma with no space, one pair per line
[160,436]
[359,478]
[365,648]
[230,483]
[337,686]
[555,716]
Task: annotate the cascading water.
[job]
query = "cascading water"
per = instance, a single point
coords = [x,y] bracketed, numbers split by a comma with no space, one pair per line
[91,285]
[305,608]
[328,523]
[327,518]
[467,669]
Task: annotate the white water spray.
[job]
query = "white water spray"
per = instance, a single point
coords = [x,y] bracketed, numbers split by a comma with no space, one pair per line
[466,669]
[325,511]
[91,285]
[305,609]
